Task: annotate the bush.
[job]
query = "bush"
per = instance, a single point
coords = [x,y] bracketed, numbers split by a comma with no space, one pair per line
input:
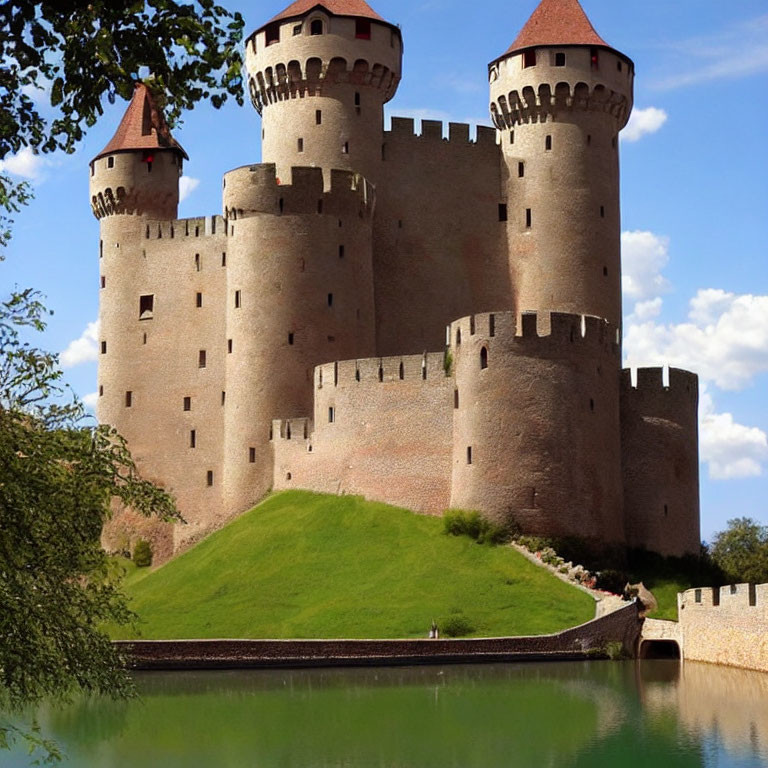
[448,362]
[142,554]
[458,522]
[612,581]
[456,626]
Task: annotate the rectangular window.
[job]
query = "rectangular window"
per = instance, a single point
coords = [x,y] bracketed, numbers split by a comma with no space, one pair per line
[502,211]
[297,30]
[223,259]
[229,346]
[363,29]
[272,33]
[330,299]
[602,211]
[199,300]
[103,347]
[187,403]
[128,399]
[223,398]
[197,262]
[201,362]
[237,299]
[469,454]
[290,339]
[103,281]
[300,146]
[357,99]
[528,218]
[345,148]
[331,415]
[618,65]
[252,455]
[146,306]
[101,249]
[529,58]
[594,58]
[511,137]
[559,59]
[101,390]
[209,479]
[318,116]
[548,143]
[110,162]
[192,438]
[520,170]
[697,595]
[341,251]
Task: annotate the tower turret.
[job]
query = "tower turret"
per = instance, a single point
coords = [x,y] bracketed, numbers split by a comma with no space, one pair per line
[560,95]
[138,171]
[319,74]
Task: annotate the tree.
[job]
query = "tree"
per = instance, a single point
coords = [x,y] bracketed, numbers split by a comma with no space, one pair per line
[59,476]
[742,551]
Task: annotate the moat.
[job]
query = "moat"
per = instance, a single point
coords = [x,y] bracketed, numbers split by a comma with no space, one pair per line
[594,714]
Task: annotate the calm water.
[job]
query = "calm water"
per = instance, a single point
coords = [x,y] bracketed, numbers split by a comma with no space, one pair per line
[612,714]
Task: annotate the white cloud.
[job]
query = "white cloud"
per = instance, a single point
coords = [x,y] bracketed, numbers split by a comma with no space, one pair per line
[82,350]
[91,399]
[731,450]
[187,185]
[737,51]
[25,163]
[643,257]
[645,310]
[643,122]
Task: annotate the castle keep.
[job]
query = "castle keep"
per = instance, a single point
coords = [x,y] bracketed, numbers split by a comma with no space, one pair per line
[430,322]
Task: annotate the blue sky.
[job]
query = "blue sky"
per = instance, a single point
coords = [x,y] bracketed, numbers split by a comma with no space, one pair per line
[694,199]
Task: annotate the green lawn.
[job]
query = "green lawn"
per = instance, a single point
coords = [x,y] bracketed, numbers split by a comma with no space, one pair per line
[303,565]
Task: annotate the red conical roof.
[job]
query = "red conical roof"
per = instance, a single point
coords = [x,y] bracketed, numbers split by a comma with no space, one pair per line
[557,22]
[142,127]
[337,7]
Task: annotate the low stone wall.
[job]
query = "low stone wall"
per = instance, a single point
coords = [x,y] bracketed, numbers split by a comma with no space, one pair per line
[586,641]
[726,625]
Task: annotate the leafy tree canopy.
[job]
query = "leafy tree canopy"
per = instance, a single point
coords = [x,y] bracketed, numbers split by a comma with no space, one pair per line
[741,550]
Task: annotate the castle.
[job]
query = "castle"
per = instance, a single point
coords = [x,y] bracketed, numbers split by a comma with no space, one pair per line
[428,322]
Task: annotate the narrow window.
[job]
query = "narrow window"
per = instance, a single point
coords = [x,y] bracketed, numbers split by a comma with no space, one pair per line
[472,325]
[301,145]
[223,397]
[103,281]
[455,398]
[146,306]
[602,211]
[548,143]
[229,346]
[484,358]
[345,148]
[320,206]
[697,595]
[357,99]
[402,371]
[103,347]
[187,403]
[357,374]
[381,374]
[331,338]
[559,59]
[128,399]
[101,390]
[110,162]
[281,204]
[733,589]
[492,325]
[362,29]
[201,359]
[330,299]
[318,116]
[502,211]
[331,415]
[666,510]
[290,339]
[594,58]
[316,27]
[520,170]
[273,33]
[469,454]
[618,65]
[252,455]
[192,438]
[605,271]
[197,262]
[297,30]
[341,251]
[752,595]
[529,58]
[237,299]
[458,336]
[589,139]
[528,218]
[209,478]
[591,405]
[101,249]
[715,595]
[511,137]
[223,259]
[198,300]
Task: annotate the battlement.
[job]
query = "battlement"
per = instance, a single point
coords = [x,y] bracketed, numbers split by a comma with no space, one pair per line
[548,328]
[378,370]
[291,429]
[404,128]
[733,596]
[651,381]
[529,104]
[256,189]
[201,226]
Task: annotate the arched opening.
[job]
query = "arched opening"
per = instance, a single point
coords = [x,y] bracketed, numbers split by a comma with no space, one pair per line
[659,649]
[484,358]
[316,27]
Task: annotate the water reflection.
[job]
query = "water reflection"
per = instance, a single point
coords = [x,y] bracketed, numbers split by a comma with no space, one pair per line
[587,714]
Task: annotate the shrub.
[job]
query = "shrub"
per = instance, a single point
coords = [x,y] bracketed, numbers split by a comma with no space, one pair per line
[142,554]
[458,522]
[448,362]
[612,581]
[456,625]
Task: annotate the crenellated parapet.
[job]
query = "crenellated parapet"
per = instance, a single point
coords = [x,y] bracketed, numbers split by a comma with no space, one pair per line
[181,229]
[649,390]
[380,370]
[458,134]
[256,189]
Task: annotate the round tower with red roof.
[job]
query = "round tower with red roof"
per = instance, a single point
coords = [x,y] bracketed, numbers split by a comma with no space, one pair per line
[560,95]
[320,73]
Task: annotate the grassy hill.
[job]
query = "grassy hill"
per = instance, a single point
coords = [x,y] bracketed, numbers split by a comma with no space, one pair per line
[303,565]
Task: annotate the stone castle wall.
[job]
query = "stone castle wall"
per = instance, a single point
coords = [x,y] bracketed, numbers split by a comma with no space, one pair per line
[726,625]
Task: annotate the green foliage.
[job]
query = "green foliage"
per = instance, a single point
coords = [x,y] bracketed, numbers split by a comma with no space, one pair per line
[614,650]
[456,625]
[448,362]
[303,565]
[458,522]
[741,551]
[142,554]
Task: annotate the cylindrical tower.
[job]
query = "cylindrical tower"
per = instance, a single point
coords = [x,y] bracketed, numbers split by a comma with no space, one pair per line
[536,423]
[560,95]
[299,293]
[319,74]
